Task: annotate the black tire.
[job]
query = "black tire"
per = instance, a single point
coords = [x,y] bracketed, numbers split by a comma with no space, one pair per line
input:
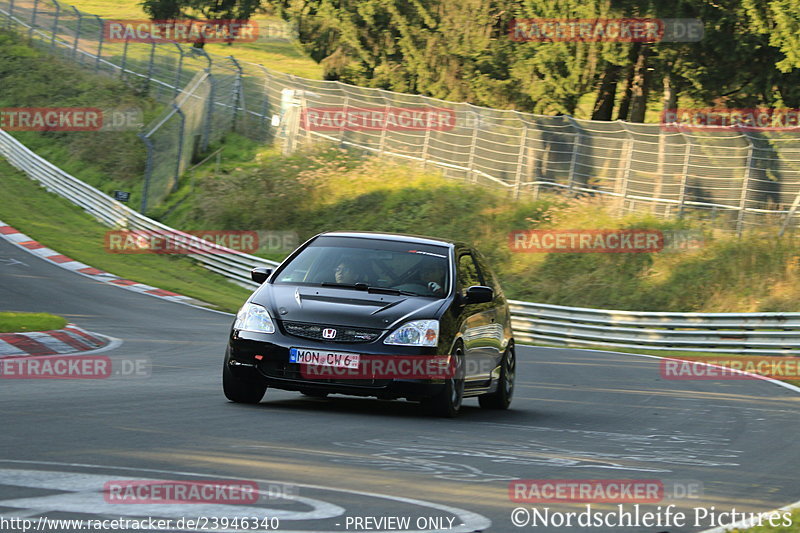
[501,398]
[447,403]
[240,390]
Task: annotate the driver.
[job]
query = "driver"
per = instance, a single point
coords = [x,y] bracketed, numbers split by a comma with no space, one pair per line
[346,272]
[431,274]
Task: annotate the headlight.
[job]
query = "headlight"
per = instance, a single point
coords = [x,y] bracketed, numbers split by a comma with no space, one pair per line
[254,317]
[416,333]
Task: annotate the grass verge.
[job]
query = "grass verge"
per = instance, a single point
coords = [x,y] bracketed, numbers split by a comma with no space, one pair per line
[32,78]
[64,227]
[15,322]
[283,56]
[329,189]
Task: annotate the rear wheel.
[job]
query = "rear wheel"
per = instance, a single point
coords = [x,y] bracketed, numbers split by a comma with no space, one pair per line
[240,390]
[447,403]
[501,398]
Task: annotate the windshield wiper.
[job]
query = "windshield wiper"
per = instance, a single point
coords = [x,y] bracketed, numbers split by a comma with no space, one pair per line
[365,287]
[387,290]
[356,286]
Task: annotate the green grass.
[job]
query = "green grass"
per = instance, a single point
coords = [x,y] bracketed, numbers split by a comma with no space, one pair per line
[105,159]
[15,322]
[330,189]
[282,56]
[60,225]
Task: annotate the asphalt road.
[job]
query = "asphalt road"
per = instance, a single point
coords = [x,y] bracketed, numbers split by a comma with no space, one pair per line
[328,465]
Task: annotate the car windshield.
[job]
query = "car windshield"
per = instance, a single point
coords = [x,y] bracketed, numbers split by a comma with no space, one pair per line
[370,264]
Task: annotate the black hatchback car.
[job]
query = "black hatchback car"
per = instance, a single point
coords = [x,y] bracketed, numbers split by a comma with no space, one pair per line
[373,314]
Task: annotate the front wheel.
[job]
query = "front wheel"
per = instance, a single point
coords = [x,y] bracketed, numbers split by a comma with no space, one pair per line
[447,403]
[501,398]
[240,390]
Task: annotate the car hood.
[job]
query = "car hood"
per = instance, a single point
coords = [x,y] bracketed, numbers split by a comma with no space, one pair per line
[344,307]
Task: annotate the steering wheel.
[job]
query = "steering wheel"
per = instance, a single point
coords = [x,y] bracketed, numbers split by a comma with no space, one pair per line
[418,288]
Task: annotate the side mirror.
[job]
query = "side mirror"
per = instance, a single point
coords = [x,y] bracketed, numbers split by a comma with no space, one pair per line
[479,294]
[260,274]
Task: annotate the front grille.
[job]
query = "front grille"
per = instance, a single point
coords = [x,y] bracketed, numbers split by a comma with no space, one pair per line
[291,371]
[343,333]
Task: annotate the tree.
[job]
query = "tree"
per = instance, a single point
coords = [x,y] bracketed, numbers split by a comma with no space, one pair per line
[200,9]
[462,50]
[163,9]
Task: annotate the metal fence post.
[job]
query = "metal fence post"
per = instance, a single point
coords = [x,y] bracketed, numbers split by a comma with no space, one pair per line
[425,147]
[178,72]
[238,97]
[148,170]
[576,146]
[384,130]
[473,144]
[151,63]
[77,31]
[181,133]
[10,14]
[302,117]
[265,120]
[626,174]
[55,25]
[124,58]
[33,19]
[789,215]
[346,110]
[745,185]
[209,120]
[520,163]
[207,125]
[100,39]
[684,174]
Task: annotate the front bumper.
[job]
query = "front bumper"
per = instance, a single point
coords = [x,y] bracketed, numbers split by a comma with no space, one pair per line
[275,369]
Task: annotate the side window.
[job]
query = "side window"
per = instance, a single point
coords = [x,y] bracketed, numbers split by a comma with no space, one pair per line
[468,272]
[488,275]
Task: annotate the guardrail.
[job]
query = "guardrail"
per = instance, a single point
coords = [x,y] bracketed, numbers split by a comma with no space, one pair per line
[745,333]
[740,333]
[232,264]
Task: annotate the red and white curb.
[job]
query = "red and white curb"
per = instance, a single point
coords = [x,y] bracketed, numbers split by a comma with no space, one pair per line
[21,240]
[70,340]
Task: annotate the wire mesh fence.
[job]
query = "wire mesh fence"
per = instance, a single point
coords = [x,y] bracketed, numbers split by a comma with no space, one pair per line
[738,178]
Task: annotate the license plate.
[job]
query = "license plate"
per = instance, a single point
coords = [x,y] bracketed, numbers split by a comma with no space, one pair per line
[323,358]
